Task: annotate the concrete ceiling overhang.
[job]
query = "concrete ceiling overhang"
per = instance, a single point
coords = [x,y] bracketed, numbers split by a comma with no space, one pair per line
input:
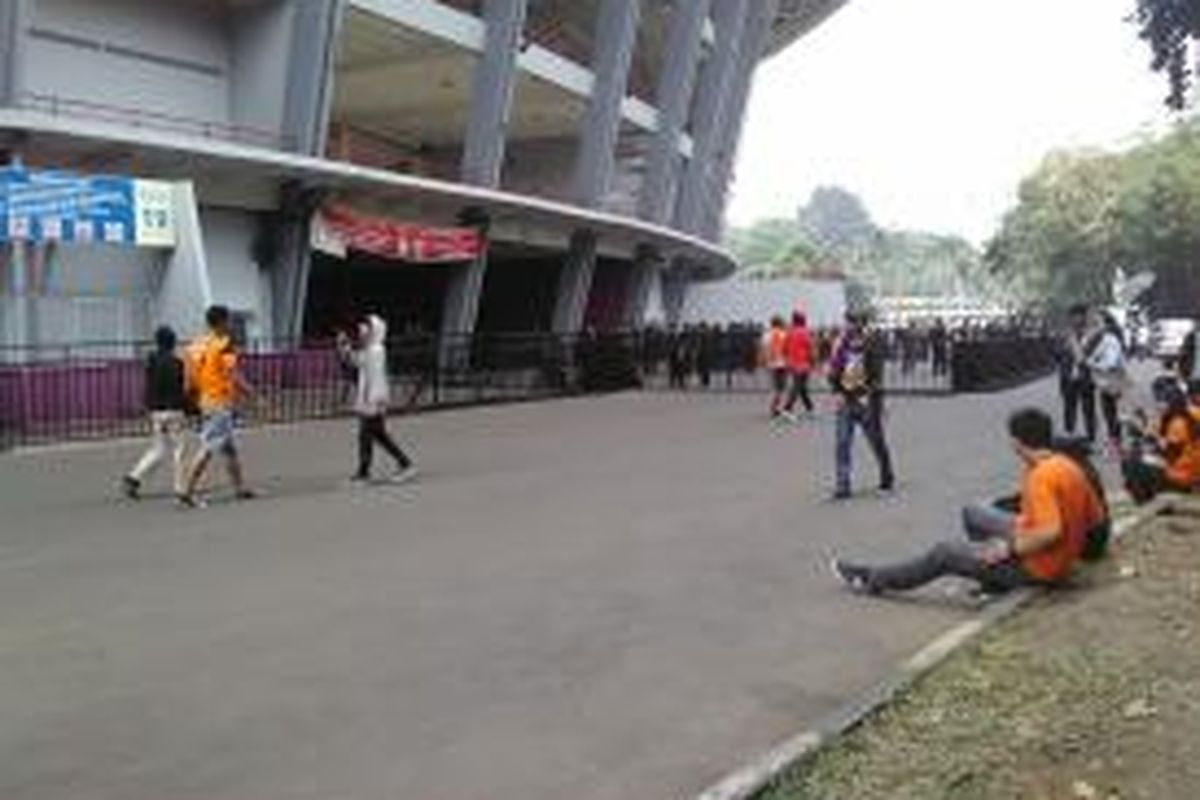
[170,156]
[796,18]
[414,89]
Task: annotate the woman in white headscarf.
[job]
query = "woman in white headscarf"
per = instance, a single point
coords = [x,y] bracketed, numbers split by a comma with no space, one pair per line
[372,395]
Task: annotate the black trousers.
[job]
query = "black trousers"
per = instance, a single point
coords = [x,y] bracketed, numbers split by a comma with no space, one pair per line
[799,391]
[372,430]
[1079,395]
[1112,419]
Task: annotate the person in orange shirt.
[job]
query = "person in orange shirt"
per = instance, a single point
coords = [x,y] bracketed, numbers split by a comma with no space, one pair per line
[774,358]
[798,350]
[1040,544]
[215,383]
[1166,459]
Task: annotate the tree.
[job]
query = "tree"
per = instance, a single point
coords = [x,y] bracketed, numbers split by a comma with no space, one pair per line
[1059,244]
[1170,27]
[834,234]
[835,219]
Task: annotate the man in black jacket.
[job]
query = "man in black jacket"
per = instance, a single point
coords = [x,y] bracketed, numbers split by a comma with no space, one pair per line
[166,400]
[856,374]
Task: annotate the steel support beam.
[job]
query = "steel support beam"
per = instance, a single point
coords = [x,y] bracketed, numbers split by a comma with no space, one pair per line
[758,28]
[316,28]
[575,283]
[492,93]
[673,96]
[615,41]
[712,101]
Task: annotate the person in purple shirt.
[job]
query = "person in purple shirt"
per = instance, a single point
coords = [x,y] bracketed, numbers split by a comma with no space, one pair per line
[856,375]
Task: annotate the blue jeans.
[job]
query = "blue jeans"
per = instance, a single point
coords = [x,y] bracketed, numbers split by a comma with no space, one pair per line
[868,416]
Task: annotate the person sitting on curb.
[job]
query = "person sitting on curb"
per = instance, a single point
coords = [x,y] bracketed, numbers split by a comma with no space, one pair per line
[1167,457]
[1040,544]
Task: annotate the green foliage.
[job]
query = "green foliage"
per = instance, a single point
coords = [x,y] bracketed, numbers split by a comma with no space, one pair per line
[834,235]
[1170,27]
[1082,216]
[1059,244]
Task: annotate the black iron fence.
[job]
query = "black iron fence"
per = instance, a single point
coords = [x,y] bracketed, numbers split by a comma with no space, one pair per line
[55,393]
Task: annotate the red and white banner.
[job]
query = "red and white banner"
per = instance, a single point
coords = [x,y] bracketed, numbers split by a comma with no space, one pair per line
[337,229]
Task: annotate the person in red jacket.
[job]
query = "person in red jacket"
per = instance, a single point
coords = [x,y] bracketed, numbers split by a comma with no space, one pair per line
[799,352]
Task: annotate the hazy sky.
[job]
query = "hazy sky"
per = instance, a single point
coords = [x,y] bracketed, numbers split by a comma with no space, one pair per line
[933,110]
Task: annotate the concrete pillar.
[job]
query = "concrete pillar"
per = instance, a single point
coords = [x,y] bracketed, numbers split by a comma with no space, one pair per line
[492,93]
[14,19]
[716,81]
[575,283]
[646,269]
[287,254]
[186,288]
[757,29]
[316,28]
[461,307]
[614,42]
[673,97]
[674,292]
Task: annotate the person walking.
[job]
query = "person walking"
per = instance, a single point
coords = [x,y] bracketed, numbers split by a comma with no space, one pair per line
[799,353]
[1106,360]
[166,400]
[1076,387]
[213,376]
[856,375]
[774,358]
[372,396]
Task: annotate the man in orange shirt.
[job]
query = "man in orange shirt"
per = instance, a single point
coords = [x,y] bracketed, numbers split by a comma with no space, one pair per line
[774,358]
[1166,459]
[1040,544]
[214,381]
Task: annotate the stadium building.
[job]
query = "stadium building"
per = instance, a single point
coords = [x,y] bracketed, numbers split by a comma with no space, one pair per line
[458,165]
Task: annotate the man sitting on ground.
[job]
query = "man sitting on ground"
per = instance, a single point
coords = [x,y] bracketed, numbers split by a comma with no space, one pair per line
[1166,457]
[1038,545]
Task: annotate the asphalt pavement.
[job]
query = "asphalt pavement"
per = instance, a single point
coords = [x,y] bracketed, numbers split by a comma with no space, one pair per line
[608,597]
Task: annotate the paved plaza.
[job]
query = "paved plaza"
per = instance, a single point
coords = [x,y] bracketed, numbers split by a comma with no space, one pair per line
[601,598]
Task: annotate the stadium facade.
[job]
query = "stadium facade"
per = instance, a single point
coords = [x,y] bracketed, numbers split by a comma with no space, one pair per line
[461,166]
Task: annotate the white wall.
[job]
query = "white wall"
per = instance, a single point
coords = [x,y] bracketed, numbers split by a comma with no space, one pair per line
[750,300]
[261,36]
[159,56]
[229,237]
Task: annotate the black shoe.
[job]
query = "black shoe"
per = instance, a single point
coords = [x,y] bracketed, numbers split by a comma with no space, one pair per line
[245,494]
[857,579]
[887,487]
[131,487]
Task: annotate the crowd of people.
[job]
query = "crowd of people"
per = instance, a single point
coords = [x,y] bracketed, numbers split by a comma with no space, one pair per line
[201,388]
[1058,516]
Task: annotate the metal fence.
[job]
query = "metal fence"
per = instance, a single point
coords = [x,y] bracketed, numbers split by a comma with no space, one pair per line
[55,393]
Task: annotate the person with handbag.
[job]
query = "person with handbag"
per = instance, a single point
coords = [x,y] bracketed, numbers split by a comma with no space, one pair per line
[1106,361]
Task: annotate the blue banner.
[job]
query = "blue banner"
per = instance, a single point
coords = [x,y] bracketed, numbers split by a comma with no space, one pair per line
[48,205]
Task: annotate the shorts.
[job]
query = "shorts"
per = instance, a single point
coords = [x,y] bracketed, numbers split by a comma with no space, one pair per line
[217,430]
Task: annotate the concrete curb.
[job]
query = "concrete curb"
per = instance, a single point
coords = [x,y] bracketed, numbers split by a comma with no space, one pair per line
[756,776]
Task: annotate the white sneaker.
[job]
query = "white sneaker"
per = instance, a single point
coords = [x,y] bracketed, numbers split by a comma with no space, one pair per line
[406,475]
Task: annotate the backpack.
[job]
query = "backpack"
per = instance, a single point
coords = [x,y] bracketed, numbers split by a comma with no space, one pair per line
[1079,450]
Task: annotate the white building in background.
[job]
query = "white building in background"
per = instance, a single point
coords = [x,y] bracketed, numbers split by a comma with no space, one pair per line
[747,299]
